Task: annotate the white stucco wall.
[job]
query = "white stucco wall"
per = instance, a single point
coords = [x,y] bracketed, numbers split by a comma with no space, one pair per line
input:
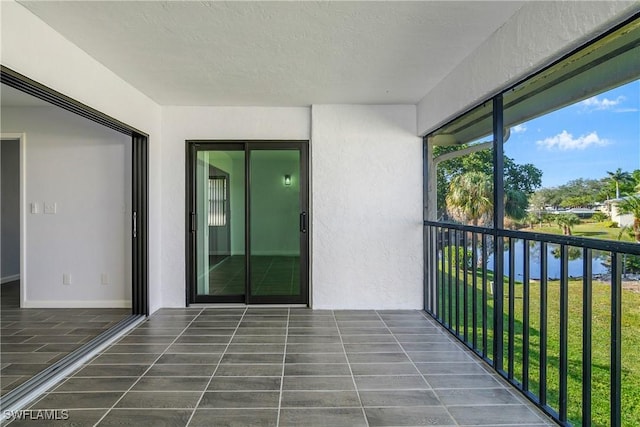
[539,33]
[367,207]
[32,48]
[222,123]
[85,169]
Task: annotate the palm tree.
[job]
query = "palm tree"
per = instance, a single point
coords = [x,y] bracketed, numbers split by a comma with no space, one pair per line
[631,205]
[515,204]
[566,221]
[470,197]
[532,219]
[618,177]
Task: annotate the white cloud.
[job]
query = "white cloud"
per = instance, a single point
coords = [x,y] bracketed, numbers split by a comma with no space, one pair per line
[565,141]
[595,103]
[519,129]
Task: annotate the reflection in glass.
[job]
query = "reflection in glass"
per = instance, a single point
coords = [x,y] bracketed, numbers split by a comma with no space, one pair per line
[220,194]
[463,167]
[275,235]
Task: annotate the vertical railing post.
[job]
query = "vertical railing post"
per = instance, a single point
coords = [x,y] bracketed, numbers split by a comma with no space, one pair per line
[512,311]
[456,255]
[543,324]
[587,307]
[450,279]
[498,224]
[616,338]
[564,330]
[485,299]
[474,284]
[465,283]
[526,274]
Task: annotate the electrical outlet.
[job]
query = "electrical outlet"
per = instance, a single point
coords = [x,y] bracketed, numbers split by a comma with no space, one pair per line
[50,208]
[104,278]
[66,278]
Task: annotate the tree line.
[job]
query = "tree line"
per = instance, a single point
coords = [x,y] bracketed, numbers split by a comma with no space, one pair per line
[465,191]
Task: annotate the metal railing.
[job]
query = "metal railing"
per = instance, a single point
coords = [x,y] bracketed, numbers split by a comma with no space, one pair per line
[512,296]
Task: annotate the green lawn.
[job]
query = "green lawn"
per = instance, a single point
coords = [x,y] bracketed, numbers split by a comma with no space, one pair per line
[600,346]
[594,230]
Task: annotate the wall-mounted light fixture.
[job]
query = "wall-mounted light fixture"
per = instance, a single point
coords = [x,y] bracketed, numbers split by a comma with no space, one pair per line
[287,180]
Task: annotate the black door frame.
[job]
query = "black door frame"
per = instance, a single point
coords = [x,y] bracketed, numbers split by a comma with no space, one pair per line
[192,147]
[139,184]
[139,232]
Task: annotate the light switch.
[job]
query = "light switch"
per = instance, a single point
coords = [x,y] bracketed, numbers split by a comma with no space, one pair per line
[34,208]
[66,278]
[50,208]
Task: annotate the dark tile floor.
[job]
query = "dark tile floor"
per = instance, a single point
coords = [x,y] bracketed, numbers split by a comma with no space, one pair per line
[286,367]
[32,339]
[270,275]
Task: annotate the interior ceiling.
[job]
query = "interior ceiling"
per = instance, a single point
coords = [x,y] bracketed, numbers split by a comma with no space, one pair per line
[277,53]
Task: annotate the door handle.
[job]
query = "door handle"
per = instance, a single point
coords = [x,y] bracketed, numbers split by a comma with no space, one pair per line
[193,222]
[303,222]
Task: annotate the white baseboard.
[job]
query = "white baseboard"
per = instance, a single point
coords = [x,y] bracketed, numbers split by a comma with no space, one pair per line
[8,279]
[76,304]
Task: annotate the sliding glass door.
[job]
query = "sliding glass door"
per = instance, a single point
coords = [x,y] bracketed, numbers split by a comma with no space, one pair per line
[247,222]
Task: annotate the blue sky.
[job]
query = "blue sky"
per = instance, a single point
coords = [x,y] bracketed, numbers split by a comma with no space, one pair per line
[583,140]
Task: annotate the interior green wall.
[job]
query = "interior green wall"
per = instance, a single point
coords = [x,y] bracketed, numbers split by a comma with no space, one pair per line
[275,208]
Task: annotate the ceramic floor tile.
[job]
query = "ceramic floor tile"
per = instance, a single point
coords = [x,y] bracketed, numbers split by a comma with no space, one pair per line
[317,369]
[159,399]
[240,399]
[245,383]
[250,370]
[148,383]
[384,369]
[75,400]
[494,415]
[319,399]
[222,376]
[414,416]
[235,417]
[391,382]
[146,418]
[96,384]
[319,383]
[399,398]
[322,417]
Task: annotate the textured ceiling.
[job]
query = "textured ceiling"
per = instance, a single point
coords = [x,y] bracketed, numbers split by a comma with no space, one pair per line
[277,53]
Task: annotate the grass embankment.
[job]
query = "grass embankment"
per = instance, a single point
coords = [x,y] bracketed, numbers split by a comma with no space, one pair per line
[601,326]
[594,230]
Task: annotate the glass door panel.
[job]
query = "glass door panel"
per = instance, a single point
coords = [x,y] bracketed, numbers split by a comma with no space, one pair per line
[220,225]
[247,232]
[275,224]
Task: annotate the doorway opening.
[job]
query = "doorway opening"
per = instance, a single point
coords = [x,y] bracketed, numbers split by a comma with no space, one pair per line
[247,233]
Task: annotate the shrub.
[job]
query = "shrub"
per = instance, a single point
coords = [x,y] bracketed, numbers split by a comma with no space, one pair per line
[463,256]
[599,217]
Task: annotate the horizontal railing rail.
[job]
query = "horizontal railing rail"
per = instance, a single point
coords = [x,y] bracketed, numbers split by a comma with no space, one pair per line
[533,306]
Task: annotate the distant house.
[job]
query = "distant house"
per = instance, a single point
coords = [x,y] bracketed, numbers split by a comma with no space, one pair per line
[611,208]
